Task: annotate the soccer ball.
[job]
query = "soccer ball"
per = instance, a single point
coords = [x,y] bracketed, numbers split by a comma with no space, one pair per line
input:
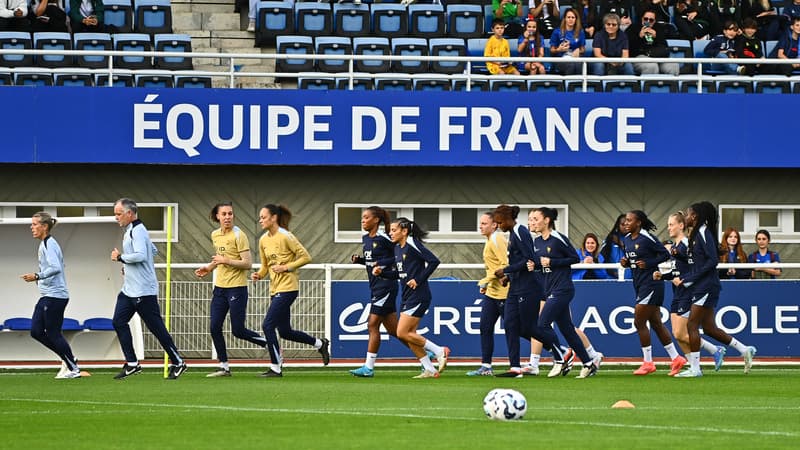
[505,404]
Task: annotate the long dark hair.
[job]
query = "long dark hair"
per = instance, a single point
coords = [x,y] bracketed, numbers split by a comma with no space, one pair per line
[506,211]
[414,230]
[382,215]
[549,213]
[647,224]
[283,213]
[706,214]
[612,237]
[216,208]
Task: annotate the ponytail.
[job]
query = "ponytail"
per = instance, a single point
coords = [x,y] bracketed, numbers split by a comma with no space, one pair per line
[283,213]
[382,215]
[414,230]
[46,219]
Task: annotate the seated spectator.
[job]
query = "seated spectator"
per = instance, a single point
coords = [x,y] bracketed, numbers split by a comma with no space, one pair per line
[791,11]
[547,13]
[531,43]
[722,12]
[647,40]
[764,255]
[612,250]
[787,48]
[510,12]
[692,18]
[724,46]
[663,16]
[589,253]
[622,8]
[750,46]
[588,10]
[48,15]
[87,16]
[497,47]
[610,42]
[568,41]
[14,15]
[765,16]
[731,251]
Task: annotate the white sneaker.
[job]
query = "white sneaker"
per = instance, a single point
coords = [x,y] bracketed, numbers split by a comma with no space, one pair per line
[64,369]
[530,370]
[251,26]
[690,373]
[69,374]
[748,358]
[588,371]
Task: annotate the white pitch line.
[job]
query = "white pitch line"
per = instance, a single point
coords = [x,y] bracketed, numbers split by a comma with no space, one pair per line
[681,429]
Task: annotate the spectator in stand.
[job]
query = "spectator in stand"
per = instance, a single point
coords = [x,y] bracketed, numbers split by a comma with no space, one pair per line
[568,41]
[750,46]
[647,40]
[88,16]
[787,48]
[589,253]
[661,8]
[497,47]
[547,14]
[531,43]
[724,46]
[622,8]
[14,15]
[611,249]
[792,10]
[723,11]
[693,19]
[731,251]
[48,15]
[610,42]
[510,13]
[588,9]
[764,255]
[765,16]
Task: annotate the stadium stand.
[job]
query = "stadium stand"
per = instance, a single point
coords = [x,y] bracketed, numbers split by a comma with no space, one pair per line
[359,84]
[16,40]
[315,82]
[438,84]
[410,47]
[389,20]
[173,43]
[295,45]
[53,41]
[154,79]
[272,20]
[121,78]
[92,41]
[465,21]
[153,16]
[138,42]
[372,46]
[474,85]
[314,19]
[351,20]
[660,86]
[426,21]
[545,85]
[447,47]
[192,81]
[119,14]
[73,76]
[333,45]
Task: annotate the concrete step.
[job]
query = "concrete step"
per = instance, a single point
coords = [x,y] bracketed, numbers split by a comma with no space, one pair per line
[187,21]
[221,21]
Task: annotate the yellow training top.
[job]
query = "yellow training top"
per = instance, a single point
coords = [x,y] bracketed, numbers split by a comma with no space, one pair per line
[279,249]
[495,256]
[230,245]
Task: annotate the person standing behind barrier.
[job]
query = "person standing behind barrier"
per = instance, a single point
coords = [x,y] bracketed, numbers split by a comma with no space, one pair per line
[414,264]
[703,280]
[281,255]
[568,41]
[377,251]
[681,295]
[731,251]
[764,255]
[139,292]
[495,256]
[231,261]
[643,254]
[647,39]
[589,254]
[611,248]
[48,315]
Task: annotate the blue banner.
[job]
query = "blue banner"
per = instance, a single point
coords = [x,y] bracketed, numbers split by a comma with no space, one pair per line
[760,313]
[298,127]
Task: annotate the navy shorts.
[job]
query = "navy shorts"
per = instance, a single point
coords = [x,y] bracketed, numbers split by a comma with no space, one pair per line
[706,299]
[650,297]
[415,307]
[383,304]
[681,306]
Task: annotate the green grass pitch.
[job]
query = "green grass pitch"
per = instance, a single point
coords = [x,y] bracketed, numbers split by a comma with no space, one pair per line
[328,408]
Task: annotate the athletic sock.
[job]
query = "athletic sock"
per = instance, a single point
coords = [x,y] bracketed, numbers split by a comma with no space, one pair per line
[317,343]
[132,364]
[647,352]
[427,364]
[488,366]
[708,346]
[535,360]
[369,363]
[694,360]
[432,347]
[224,365]
[670,348]
[275,368]
[741,348]
[591,351]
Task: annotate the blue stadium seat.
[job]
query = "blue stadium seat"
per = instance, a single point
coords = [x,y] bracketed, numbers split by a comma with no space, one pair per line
[295,45]
[314,19]
[17,323]
[359,84]
[352,20]
[153,16]
[475,47]
[6,80]
[333,45]
[120,78]
[155,80]
[53,41]
[507,85]
[445,47]
[680,48]
[173,43]
[133,42]
[389,20]
[474,85]
[393,85]
[432,84]
[537,85]
[15,40]
[273,19]
[698,46]
[372,46]
[465,21]
[734,86]
[410,47]
[577,86]
[316,83]
[426,21]
[772,87]
[690,86]
[92,41]
[118,13]
[71,325]
[660,86]
[98,324]
[73,77]
[625,85]
[770,49]
[192,82]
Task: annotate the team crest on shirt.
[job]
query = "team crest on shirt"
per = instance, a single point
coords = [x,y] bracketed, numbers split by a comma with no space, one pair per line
[374,244]
[548,249]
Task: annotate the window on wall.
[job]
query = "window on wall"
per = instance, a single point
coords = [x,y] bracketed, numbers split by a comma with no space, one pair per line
[782,221]
[154,215]
[446,223]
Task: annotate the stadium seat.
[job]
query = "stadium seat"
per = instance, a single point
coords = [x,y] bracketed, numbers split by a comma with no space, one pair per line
[436,84]
[474,85]
[577,86]
[537,85]
[690,86]
[475,47]
[465,21]
[273,19]
[359,84]
[73,77]
[119,14]
[132,42]
[626,85]
[120,78]
[410,47]
[71,325]
[333,45]
[426,21]
[192,82]
[734,87]
[295,45]
[98,324]
[445,47]
[92,41]
[660,86]
[6,80]
[314,19]
[17,323]
[15,40]
[173,43]
[698,46]
[372,46]
[680,48]
[772,87]
[53,41]
[389,20]
[153,16]
[316,83]
[155,80]
[351,20]
[393,85]
[770,49]
[507,85]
